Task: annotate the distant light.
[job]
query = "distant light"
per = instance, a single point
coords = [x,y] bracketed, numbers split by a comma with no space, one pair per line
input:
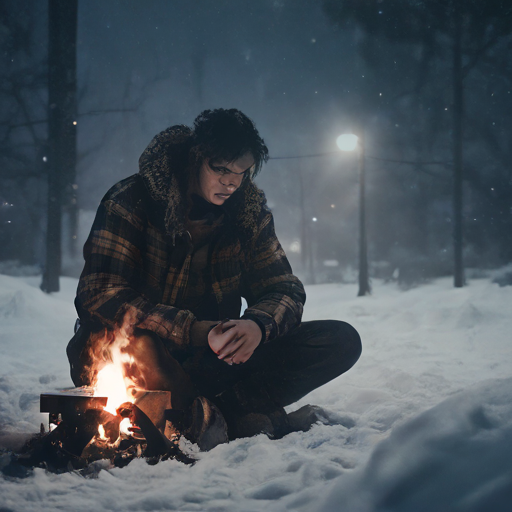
[333,206]
[45,159]
[74,122]
[313,40]
[314,219]
[295,246]
[347,142]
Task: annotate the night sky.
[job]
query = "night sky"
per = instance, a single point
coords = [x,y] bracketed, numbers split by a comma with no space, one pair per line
[303,79]
[282,63]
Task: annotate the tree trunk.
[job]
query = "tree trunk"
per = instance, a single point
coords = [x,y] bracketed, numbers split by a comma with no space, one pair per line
[303,234]
[364,279]
[306,242]
[458,107]
[62,26]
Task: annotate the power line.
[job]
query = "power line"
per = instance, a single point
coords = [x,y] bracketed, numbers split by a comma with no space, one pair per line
[417,164]
[303,156]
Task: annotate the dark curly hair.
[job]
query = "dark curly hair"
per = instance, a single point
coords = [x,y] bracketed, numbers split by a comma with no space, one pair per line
[227,135]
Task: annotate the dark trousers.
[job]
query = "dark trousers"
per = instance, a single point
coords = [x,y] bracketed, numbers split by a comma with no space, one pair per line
[278,374]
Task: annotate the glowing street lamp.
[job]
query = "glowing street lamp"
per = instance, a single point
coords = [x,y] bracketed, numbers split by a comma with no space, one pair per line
[351,142]
[347,142]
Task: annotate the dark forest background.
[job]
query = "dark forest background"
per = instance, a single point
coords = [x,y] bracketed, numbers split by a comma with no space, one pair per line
[305,71]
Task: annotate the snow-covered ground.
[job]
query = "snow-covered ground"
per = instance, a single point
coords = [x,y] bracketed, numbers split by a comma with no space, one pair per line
[422,422]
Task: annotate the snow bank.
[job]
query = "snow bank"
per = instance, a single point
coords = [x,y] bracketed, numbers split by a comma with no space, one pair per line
[455,456]
[385,444]
[34,328]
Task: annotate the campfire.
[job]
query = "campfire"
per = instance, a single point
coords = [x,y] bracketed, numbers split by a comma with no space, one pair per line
[113,420]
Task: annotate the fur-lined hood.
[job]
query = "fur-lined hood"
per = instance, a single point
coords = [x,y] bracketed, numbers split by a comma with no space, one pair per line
[164,167]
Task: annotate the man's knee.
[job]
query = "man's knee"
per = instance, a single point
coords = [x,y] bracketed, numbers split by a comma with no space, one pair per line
[144,347]
[154,368]
[350,341]
[345,343]
[78,357]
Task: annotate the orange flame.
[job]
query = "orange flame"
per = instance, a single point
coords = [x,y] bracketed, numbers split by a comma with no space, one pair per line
[124,426]
[111,380]
[101,432]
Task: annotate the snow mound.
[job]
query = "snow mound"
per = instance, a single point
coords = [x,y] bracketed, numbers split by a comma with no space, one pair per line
[34,330]
[453,457]
[15,302]
[11,305]
[21,300]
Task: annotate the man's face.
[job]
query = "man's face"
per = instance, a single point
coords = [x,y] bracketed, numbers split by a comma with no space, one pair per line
[218,180]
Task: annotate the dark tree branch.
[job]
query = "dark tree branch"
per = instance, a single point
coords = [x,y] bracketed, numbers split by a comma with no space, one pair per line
[477,55]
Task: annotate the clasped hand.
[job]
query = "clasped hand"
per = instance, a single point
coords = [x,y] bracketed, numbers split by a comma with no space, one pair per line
[235,341]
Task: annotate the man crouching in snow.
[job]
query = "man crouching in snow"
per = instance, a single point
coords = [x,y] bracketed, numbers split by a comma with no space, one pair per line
[172,251]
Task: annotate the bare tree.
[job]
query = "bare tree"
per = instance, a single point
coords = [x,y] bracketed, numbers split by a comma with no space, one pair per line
[468,28]
[22,129]
[62,121]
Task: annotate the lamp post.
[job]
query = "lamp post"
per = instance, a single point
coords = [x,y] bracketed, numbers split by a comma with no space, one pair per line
[351,142]
[306,242]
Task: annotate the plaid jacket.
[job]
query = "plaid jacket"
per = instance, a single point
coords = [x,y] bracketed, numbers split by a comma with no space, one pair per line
[138,253]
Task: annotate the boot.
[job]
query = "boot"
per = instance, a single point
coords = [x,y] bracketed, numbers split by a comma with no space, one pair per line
[205,425]
[249,410]
[274,425]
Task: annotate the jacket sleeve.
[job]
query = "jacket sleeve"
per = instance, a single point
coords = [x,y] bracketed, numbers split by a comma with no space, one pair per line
[108,287]
[274,295]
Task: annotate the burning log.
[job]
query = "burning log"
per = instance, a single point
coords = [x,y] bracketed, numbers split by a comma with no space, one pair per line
[154,404]
[82,432]
[157,445]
